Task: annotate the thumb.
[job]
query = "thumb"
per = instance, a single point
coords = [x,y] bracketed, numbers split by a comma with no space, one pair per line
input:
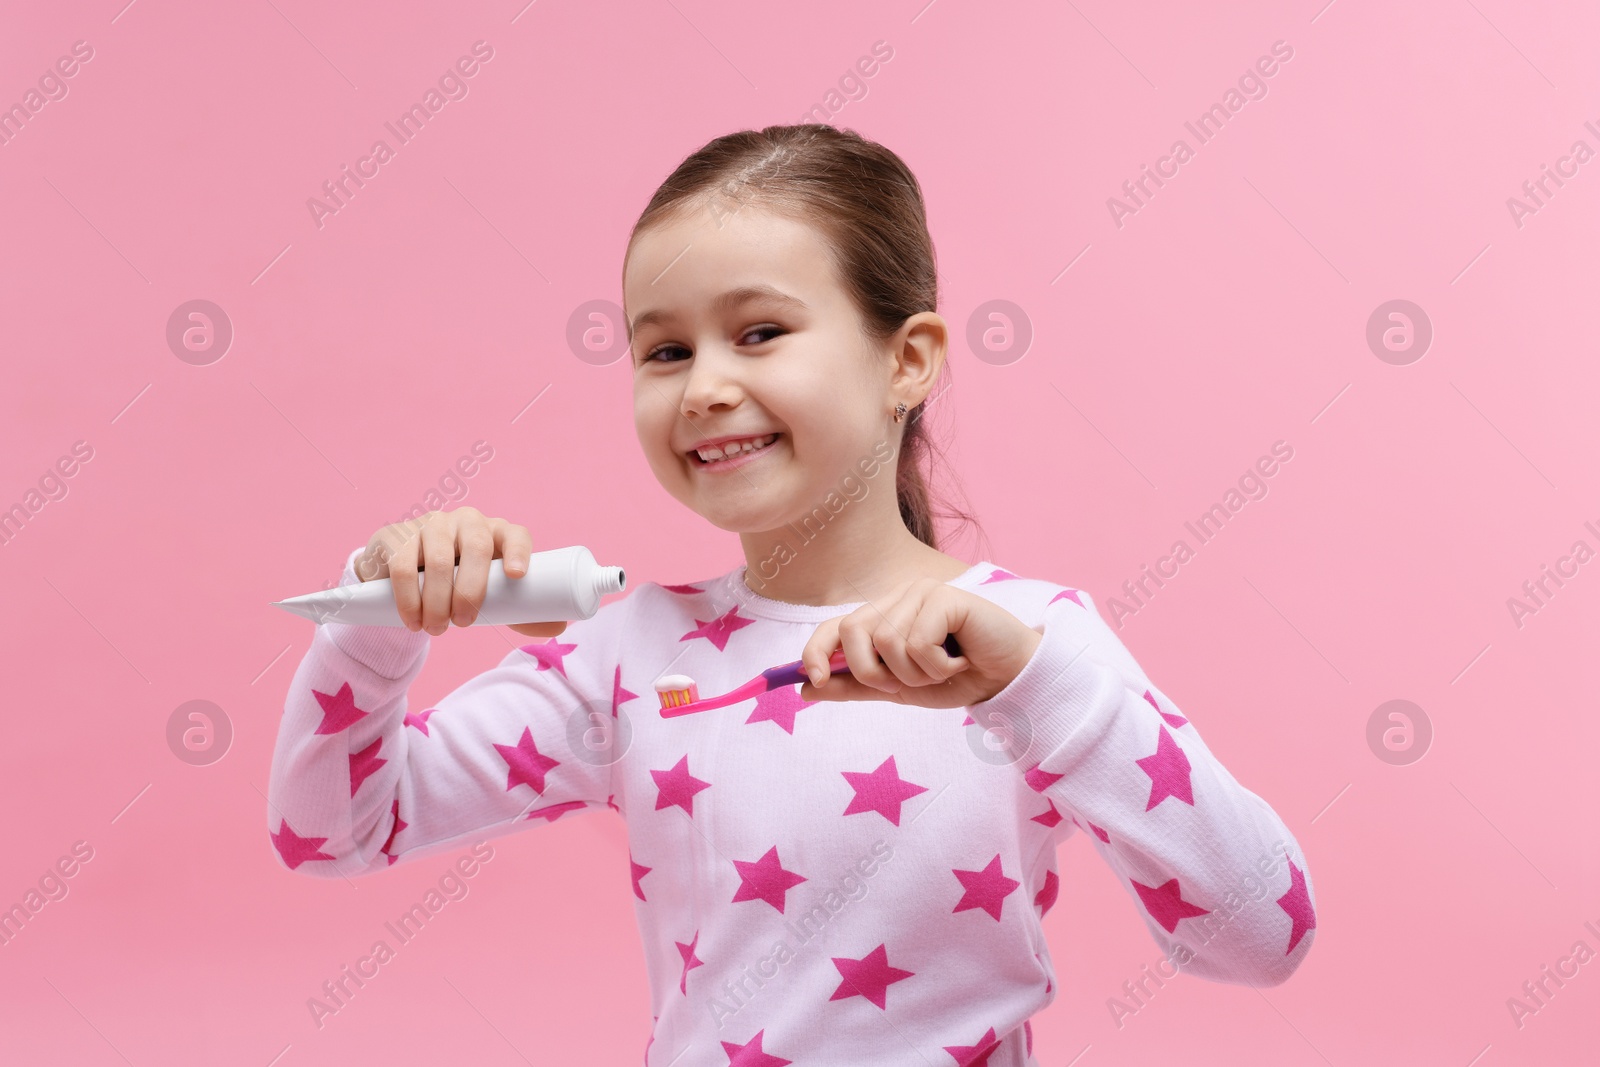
[538,629]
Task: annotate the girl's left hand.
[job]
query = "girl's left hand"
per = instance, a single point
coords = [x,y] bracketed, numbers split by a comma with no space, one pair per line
[894,649]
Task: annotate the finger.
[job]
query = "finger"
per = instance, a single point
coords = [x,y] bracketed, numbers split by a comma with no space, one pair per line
[439,557]
[860,655]
[925,643]
[891,637]
[819,648]
[513,544]
[538,629]
[402,567]
[472,577]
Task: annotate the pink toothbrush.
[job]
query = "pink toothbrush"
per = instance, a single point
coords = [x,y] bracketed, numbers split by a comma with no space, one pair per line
[681,696]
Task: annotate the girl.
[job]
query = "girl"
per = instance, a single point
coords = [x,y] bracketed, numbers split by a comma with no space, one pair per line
[855,870]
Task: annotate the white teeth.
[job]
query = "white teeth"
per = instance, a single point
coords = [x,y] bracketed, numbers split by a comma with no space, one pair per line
[734,448]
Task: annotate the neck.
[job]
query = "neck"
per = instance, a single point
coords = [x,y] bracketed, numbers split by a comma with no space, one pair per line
[857,555]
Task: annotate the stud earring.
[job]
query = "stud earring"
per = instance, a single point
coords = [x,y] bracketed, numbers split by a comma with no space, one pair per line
[899,411]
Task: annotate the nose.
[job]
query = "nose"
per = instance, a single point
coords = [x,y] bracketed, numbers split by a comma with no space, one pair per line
[712,382]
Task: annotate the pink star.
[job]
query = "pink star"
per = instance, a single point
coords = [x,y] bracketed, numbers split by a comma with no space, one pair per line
[1027,1032]
[683,589]
[868,977]
[1039,779]
[1173,719]
[611,805]
[1047,983]
[1297,903]
[881,791]
[975,1055]
[338,709]
[652,1040]
[718,630]
[1050,818]
[1165,905]
[363,763]
[419,719]
[969,721]
[765,879]
[677,786]
[1101,834]
[984,889]
[690,961]
[1065,594]
[751,1055]
[779,705]
[555,811]
[1168,770]
[527,764]
[399,824]
[1046,896]
[619,695]
[295,849]
[549,654]
[999,575]
[639,870]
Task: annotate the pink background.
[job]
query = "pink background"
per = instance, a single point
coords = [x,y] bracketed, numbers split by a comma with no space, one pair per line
[1227,314]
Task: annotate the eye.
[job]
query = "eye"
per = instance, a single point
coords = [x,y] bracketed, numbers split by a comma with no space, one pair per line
[660,350]
[768,328]
[650,356]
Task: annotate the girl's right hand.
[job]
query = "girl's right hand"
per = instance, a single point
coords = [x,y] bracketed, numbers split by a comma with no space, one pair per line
[440,540]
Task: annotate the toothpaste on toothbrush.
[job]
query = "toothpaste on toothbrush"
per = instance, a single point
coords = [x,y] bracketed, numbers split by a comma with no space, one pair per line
[562,585]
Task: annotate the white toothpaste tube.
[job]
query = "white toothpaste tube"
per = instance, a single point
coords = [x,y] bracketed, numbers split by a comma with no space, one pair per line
[562,585]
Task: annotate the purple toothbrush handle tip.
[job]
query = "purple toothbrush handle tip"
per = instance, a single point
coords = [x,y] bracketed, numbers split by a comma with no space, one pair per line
[795,673]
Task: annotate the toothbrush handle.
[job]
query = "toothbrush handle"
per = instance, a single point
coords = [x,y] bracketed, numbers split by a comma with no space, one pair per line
[795,673]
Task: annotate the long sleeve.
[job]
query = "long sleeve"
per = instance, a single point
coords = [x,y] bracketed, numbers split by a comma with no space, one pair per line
[1217,877]
[358,780]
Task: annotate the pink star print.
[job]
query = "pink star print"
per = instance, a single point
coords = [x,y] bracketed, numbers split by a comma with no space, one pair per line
[399,824]
[1039,779]
[751,1055]
[779,705]
[639,871]
[1065,594]
[765,879]
[998,575]
[619,695]
[718,630]
[1169,772]
[295,849]
[549,654]
[1049,818]
[1173,720]
[868,977]
[419,719]
[527,764]
[363,763]
[984,889]
[338,709]
[1297,903]
[682,589]
[1165,905]
[882,791]
[1040,958]
[555,811]
[690,961]
[1046,895]
[677,786]
[975,1055]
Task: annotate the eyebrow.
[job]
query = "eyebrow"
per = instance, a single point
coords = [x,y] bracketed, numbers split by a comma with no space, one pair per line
[729,300]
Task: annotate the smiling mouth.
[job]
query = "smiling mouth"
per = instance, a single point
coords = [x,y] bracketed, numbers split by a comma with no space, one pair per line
[721,455]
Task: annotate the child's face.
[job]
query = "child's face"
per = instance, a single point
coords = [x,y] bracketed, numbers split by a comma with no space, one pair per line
[755,367]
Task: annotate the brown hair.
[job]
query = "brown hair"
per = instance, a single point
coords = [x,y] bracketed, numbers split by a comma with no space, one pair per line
[868,206]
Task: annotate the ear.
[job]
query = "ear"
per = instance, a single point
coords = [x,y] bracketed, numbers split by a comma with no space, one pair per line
[918,349]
